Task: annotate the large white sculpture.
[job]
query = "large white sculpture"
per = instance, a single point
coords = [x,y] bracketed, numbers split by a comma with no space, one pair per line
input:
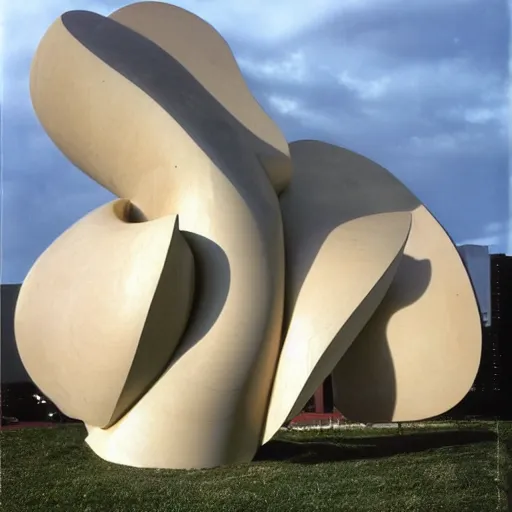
[185,322]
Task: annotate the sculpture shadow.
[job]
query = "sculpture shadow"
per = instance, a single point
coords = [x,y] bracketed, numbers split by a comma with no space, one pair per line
[212,279]
[359,448]
[212,283]
[376,401]
[332,186]
[232,147]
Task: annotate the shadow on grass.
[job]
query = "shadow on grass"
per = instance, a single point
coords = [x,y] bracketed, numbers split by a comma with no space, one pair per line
[356,448]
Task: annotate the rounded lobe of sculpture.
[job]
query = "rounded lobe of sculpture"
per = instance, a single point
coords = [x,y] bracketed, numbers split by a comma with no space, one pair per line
[419,353]
[347,280]
[210,60]
[88,311]
[132,117]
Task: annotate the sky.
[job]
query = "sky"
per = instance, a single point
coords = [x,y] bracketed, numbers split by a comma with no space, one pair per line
[421,87]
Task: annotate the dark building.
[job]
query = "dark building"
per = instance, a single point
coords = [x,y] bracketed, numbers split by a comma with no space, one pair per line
[12,370]
[490,395]
[500,351]
[493,384]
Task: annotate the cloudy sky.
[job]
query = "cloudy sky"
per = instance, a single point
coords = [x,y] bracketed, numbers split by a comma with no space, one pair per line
[419,86]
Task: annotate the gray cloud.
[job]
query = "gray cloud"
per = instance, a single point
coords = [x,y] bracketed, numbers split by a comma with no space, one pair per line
[425,93]
[421,87]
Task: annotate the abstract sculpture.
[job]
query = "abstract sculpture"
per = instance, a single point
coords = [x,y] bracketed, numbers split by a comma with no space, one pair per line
[166,320]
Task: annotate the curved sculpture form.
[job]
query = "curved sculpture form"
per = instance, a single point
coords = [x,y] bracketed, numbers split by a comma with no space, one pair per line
[360,257]
[121,294]
[419,353]
[213,65]
[180,345]
[140,124]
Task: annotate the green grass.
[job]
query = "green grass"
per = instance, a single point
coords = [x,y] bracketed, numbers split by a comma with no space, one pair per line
[455,468]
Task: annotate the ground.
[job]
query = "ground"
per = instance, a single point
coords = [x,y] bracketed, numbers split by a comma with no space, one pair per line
[439,467]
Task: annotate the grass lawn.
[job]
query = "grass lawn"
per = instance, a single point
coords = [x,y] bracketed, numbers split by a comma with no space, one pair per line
[454,468]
